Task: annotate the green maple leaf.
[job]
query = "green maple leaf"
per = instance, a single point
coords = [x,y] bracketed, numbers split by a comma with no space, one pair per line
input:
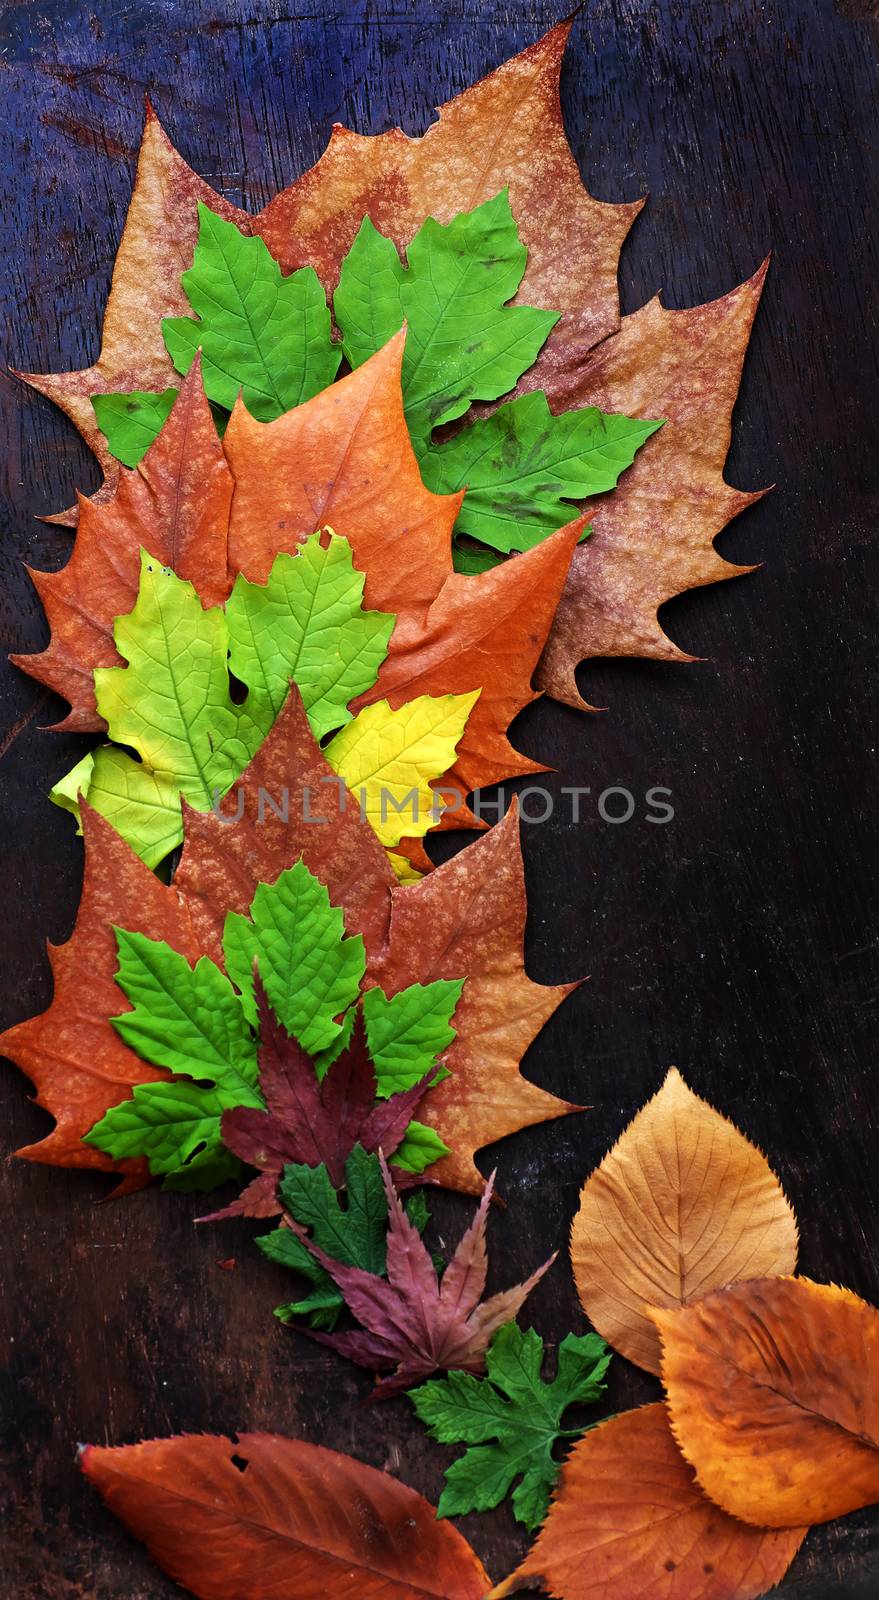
[407,1032]
[511,1419]
[522,464]
[172,704]
[130,422]
[307,623]
[189,1020]
[261,333]
[310,969]
[355,1234]
[464,342]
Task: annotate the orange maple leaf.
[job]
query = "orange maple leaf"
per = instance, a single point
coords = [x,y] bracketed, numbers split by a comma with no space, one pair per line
[466,920]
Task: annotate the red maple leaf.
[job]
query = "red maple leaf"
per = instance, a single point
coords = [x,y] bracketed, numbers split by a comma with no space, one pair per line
[309,1121]
[413,1324]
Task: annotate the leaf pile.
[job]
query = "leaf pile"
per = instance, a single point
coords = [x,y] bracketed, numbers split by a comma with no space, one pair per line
[769,1423]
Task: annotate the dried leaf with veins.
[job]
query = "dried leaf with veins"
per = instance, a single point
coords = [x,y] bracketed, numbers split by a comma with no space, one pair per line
[628,1519]
[412,1323]
[513,116]
[466,920]
[175,504]
[773,1394]
[654,536]
[681,1205]
[258,1516]
[653,539]
[307,1121]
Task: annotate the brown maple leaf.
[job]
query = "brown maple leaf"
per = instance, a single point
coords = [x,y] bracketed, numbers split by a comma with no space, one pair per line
[309,1121]
[466,920]
[654,537]
[259,1515]
[513,116]
[413,1323]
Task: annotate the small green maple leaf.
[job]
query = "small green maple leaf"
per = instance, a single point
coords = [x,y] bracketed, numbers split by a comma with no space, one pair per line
[522,464]
[511,1419]
[311,971]
[407,1032]
[189,1020]
[261,333]
[464,341]
[355,1233]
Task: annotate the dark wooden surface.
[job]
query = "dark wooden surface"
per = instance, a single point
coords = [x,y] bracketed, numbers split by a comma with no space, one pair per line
[737,942]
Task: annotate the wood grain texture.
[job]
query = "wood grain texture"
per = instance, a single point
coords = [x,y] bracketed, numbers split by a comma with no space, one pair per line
[738,941]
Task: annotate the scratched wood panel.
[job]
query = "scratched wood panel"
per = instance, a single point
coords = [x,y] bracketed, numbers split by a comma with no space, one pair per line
[737,941]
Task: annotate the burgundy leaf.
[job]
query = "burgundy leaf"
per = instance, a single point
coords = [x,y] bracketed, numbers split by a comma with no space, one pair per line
[410,1322]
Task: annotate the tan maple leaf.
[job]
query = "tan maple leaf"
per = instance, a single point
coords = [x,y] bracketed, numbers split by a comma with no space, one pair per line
[654,538]
[466,920]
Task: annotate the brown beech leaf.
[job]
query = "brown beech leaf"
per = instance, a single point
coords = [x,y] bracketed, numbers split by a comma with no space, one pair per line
[414,1323]
[512,116]
[176,505]
[681,1205]
[629,1520]
[466,920]
[258,1517]
[773,1391]
[653,537]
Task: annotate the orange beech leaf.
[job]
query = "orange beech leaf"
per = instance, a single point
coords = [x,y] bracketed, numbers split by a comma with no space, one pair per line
[773,1390]
[629,1520]
[513,116]
[176,505]
[466,920]
[258,1516]
[681,1205]
[654,536]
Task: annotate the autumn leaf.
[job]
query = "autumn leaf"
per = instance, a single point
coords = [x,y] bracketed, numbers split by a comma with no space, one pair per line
[465,342]
[310,1122]
[521,466]
[175,505]
[355,1233]
[573,242]
[414,1323]
[654,536]
[259,333]
[628,1519]
[681,1205]
[466,920]
[511,1419]
[771,1389]
[258,1516]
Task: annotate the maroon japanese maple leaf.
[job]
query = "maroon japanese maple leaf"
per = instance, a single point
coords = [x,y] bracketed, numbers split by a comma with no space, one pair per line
[413,1322]
[307,1121]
